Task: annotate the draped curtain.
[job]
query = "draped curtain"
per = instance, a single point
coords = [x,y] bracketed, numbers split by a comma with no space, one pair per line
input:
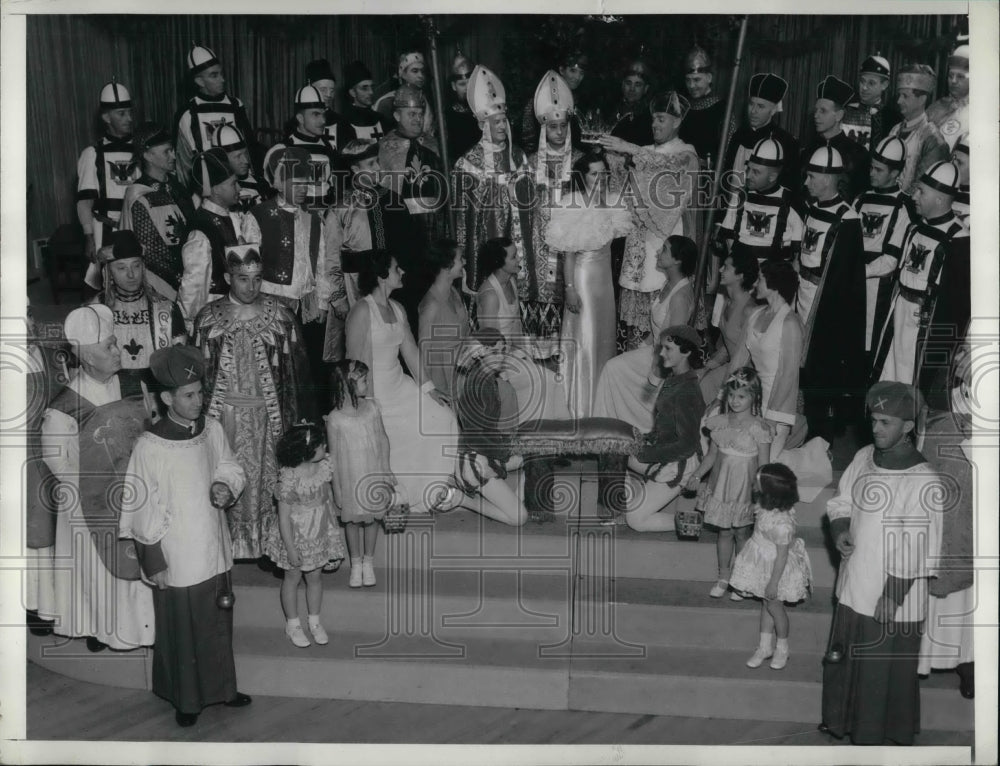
[69,58]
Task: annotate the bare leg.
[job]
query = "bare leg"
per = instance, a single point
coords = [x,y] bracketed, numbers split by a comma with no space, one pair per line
[497,501]
[371,535]
[766,620]
[742,534]
[353,537]
[776,610]
[647,508]
[314,591]
[724,551]
[290,593]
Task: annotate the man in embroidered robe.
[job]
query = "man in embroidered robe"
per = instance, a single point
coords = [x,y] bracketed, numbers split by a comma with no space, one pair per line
[869,118]
[494,196]
[552,167]
[924,143]
[144,321]
[359,119]
[659,187]
[832,95]
[183,477]
[951,113]
[370,218]
[234,144]
[87,436]
[831,299]
[157,209]
[209,109]
[293,251]
[931,303]
[255,385]
[886,523]
[104,171]
[214,227]
[310,135]
[885,215]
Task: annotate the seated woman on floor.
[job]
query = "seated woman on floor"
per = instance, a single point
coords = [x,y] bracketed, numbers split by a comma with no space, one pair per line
[540,393]
[671,451]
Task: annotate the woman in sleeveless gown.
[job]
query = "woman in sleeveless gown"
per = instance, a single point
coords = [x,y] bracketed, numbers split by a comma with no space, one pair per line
[772,342]
[628,386]
[539,393]
[444,320]
[422,431]
[582,227]
[738,275]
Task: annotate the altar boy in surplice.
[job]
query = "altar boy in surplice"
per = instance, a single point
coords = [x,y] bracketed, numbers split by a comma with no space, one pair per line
[183,475]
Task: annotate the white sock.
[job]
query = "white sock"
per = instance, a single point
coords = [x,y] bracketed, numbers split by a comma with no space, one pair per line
[313,620]
[293,623]
[355,563]
[369,558]
[765,640]
[782,645]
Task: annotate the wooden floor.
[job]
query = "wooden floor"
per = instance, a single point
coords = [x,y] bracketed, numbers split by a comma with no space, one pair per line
[59,708]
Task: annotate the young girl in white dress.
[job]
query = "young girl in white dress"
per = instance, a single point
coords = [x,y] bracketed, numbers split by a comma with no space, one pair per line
[740,442]
[308,533]
[773,566]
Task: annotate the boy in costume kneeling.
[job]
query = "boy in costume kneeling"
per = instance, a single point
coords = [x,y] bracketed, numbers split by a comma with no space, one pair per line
[183,476]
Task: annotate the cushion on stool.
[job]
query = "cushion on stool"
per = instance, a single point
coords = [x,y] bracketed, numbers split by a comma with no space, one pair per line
[584,436]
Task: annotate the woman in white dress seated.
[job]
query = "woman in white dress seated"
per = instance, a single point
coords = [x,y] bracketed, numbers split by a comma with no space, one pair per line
[422,430]
[582,227]
[540,395]
[627,388]
[772,343]
[734,305]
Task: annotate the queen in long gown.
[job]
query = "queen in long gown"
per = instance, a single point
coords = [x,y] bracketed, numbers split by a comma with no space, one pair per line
[628,385]
[582,227]
[423,433]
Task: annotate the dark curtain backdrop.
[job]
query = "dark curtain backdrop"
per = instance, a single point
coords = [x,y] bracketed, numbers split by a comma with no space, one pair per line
[69,58]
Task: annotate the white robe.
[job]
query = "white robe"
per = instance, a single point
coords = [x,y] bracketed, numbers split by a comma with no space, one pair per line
[87,599]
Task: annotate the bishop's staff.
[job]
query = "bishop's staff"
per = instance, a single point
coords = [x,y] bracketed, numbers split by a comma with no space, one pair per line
[432,36]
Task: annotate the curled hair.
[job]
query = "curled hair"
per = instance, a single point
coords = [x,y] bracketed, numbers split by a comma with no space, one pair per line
[582,166]
[685,251]
[695,354]
[780,276]
[373,268]
[298,444]
[492,255]
[778,489]
[344,381]
[441,255]
[744,377]
[745,264]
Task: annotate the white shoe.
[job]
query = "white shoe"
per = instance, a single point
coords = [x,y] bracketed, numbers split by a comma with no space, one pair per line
[734,596]
[719,589]
[367,572]
[780,658]
[355,581]
[297,636]
[319,634]
[759,656]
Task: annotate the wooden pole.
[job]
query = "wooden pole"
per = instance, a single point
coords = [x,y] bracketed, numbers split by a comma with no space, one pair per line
[432,33]
[703,254]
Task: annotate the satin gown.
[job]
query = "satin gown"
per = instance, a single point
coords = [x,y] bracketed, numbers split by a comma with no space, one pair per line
[423,435]
[622,390]
[588,335]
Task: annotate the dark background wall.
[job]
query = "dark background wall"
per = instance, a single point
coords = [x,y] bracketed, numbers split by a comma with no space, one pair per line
[69,58]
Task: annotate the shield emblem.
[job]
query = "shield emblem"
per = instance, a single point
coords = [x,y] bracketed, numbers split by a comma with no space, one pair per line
[121,171]
[759,222]
[810,238]
[916,258]
[871,223]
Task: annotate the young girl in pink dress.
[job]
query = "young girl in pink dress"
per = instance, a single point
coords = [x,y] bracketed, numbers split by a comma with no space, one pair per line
[307,534]
[740,442]
[363,483]
[773,566]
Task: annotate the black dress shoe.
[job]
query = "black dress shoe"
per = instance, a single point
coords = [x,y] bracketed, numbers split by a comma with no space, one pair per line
[240,700]
[966,680]
[95,645]
[185,719]
[38,625]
